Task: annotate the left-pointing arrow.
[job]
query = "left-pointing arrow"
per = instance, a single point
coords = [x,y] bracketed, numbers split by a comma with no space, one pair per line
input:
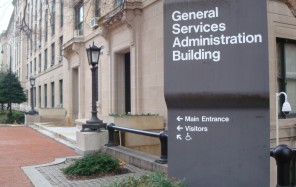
[179,118]
[179,128]
[179,137]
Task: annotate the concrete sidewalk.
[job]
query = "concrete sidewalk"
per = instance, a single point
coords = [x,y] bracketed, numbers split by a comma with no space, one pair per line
[62,134]
[23,146]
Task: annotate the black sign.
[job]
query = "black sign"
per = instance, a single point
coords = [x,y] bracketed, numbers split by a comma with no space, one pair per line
[216,90]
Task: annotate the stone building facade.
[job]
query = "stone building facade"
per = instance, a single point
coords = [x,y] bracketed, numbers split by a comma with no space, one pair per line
[130,78]
[282,47]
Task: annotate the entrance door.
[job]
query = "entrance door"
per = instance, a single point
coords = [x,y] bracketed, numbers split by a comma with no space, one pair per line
[122,83]
[75,91]
[127,82]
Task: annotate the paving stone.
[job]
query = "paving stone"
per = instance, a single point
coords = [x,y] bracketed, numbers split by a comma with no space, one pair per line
[56,177]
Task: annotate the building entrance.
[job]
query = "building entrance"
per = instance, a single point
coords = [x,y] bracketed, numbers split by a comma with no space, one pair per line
[123,83]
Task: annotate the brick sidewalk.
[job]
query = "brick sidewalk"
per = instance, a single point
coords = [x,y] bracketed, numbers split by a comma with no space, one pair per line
[22,146]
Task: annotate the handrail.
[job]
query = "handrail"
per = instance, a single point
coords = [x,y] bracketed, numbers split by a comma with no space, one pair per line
[163,137]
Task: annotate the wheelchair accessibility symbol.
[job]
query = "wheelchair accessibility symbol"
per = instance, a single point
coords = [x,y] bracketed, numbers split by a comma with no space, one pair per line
[188,137]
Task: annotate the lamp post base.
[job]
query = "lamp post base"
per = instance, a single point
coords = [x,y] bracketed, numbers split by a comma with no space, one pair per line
[32,112]
[92,126]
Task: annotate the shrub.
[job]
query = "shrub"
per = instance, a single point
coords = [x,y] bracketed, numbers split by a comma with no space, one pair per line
[129,114]
[93,164]
[15,116]
[154,179]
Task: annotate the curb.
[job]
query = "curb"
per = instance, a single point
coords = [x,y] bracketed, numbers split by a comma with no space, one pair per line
[36,177]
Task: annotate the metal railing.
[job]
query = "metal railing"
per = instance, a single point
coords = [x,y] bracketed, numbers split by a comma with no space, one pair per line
[285,161]
[163,137]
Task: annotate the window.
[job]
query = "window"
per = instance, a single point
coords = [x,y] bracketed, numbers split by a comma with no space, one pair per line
[62,13]
[39,63]
[35,10]
[31,24]
[52,54]
[27,94]
[98,8]
[45,95]
[35,37]
[27,71]
[286,50]
[31,68]
[40,8]
[61,48]
[61,93]
[35,66]
[28,45]
[40,23]
[118,2]
[34,96]
[79,17]
[46,21]
[39,89]
[45,59]
[52,94]
[52,18]
[31,46]
[35,24]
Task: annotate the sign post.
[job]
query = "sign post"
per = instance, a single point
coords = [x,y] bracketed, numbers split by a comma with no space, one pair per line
[217,92]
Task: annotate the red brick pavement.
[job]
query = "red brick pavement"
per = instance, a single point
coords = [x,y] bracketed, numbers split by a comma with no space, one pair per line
[23,146]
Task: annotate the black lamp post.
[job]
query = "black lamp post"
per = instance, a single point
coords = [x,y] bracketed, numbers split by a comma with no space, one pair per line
[32,83]
[9,84]
[93,55]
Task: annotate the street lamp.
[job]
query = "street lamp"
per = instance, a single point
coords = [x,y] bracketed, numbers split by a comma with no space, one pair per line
[286,108]
[93,55]
[9,84]
[32,83]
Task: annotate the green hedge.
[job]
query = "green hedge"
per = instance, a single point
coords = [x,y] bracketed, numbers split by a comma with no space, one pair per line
[15,116]
[154,179]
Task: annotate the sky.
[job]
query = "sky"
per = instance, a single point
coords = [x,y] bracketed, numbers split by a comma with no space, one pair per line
[6,9]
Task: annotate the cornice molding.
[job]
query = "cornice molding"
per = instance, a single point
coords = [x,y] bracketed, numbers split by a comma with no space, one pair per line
[118,15]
